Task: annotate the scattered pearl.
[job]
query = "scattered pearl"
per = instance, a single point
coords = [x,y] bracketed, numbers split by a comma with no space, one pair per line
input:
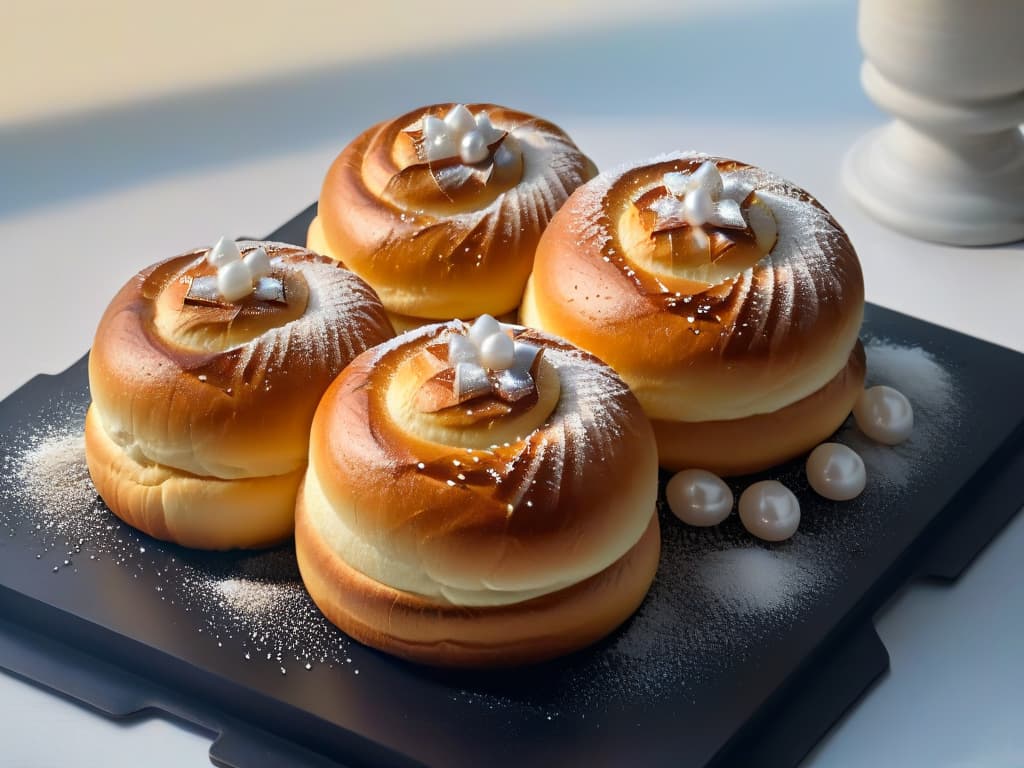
[473,148]
[459,120]
[884,414]
[484,326]
[258,262]
[225,251]
[497,352]
[234,281]
[697,206]
[836,472]
[698,497]
[769,510]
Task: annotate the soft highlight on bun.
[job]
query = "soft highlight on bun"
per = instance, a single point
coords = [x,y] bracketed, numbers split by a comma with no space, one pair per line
[432,253]
[775,329]
[506,533]
[193,394]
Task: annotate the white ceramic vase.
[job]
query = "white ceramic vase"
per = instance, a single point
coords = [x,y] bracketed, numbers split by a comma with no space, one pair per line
[950,167]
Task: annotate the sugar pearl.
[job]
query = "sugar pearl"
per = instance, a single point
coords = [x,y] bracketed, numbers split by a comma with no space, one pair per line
[473,148]
[459,120]
[234,281]
[441,147]
[258,262]
[836,472]
[461,350]
[484,125]
[884,414]
[709,179]
[226,250]
[697,206]
[482,327]
[433,127]
[769,510]
[497,352]
[699,497]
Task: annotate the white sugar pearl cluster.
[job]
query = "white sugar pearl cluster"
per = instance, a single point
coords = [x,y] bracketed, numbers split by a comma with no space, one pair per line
[770,511]
[461,135]
[489,346]
[703,197]
[236,276]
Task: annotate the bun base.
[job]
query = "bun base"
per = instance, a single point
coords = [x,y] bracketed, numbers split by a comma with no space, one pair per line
[755,443]
[442,634]
[191,510]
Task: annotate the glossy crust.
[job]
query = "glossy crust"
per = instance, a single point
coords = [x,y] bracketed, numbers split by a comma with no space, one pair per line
[433,255]
[772,333]
[221,393]
[448,532]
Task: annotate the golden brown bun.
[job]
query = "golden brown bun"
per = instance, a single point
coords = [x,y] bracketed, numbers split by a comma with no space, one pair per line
[753,443]
[222,392]
[442,634]
[462,251]
[761,328]
[455,514]
[191,510]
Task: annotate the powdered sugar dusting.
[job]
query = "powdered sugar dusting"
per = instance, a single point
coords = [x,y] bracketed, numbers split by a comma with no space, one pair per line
[811,257]
[751,579]
[340,319]
[931,388]
[719,597]
[552,168]
[251,602]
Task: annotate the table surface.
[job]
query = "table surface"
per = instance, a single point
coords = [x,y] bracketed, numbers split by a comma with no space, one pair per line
[89,196]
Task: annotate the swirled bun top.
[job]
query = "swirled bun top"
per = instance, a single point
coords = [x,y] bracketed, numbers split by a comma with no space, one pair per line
[716,289]
[483,502]
[220,388]
[441,228]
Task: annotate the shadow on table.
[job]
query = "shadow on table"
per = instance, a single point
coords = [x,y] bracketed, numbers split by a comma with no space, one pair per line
[790,62]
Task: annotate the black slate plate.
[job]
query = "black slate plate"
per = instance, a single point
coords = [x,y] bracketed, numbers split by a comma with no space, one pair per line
[741,649]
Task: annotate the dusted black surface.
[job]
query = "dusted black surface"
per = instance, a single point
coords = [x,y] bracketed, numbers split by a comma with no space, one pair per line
[698,696]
